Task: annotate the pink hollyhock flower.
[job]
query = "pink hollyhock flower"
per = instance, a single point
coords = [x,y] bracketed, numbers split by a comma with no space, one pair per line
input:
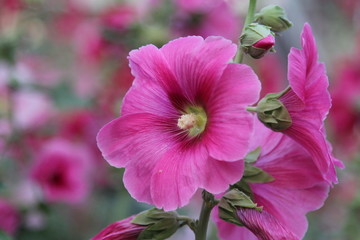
[308,102]
[120,230]
[9,217]
[270,72]
[183,123]
[297,188]
[206,18]
[62,172]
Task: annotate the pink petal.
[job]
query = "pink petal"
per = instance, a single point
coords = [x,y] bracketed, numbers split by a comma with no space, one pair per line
[307,76]
[175,179]
[198,64]
[230,125]
[148,97]
[217,175]
[134,137]
[148,64]
[230,231]
[264,225]
[313,140]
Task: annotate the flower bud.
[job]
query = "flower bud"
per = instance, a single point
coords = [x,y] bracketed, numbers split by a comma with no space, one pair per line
[274,17]
[272,113]
[231,202]
[257,40]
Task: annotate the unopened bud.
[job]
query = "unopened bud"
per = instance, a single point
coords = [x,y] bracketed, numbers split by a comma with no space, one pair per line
[274,17]
[257,40]
[272,113]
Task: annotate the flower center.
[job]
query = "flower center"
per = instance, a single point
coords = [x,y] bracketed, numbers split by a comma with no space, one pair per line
[193,120]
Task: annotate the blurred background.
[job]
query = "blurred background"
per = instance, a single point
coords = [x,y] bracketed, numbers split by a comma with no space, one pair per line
[64,72]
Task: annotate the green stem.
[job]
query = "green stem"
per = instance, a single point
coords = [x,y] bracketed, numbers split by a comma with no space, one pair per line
[202,225]
[249,19]
[251,109]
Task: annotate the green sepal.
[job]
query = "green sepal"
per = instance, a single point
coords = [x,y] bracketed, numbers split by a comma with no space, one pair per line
[233,200]
[253,174]
[274,17]
[161,224]
[272,113]
[253,33]
[253,156]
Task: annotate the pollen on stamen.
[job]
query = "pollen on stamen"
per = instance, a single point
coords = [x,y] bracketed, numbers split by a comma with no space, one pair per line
[187,121]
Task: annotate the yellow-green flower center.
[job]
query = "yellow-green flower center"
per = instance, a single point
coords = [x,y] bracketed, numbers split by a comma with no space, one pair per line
[193,120]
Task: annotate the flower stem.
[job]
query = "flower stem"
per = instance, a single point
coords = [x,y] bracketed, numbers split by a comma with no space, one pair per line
[209,203]
[249,18]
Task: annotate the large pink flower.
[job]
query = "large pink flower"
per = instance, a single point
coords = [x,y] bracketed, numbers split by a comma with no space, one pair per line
[120,230]
[62,171]
[308,102]
[297,189]
[183,123]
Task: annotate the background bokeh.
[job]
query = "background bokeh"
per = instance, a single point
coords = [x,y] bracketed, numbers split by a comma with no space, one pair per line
[64,72]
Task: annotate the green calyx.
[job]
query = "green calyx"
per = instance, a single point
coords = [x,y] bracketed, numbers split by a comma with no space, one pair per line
[231,202]
[161,224]
[252,174]
[272,113]
[193,120]
[274,17]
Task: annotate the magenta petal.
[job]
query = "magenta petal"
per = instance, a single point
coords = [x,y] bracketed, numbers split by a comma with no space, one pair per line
[217,175]
[230,125]
[133,137]
[264,225]
[230,231]
[195,73]
[175,180]
[314,142]
[148,97]
[148,64]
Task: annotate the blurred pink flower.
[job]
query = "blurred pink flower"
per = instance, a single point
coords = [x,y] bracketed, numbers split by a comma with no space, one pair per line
[184,125]
[9,217]
[119,17]
[206,18]
[270,72]
[308,102]
[120,230]
[297,189]
[345,112]
[62,170]
[31,109]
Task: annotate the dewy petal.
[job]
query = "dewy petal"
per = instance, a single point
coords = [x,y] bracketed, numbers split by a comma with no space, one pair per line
[175,180]
[198,64]
[230,125]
